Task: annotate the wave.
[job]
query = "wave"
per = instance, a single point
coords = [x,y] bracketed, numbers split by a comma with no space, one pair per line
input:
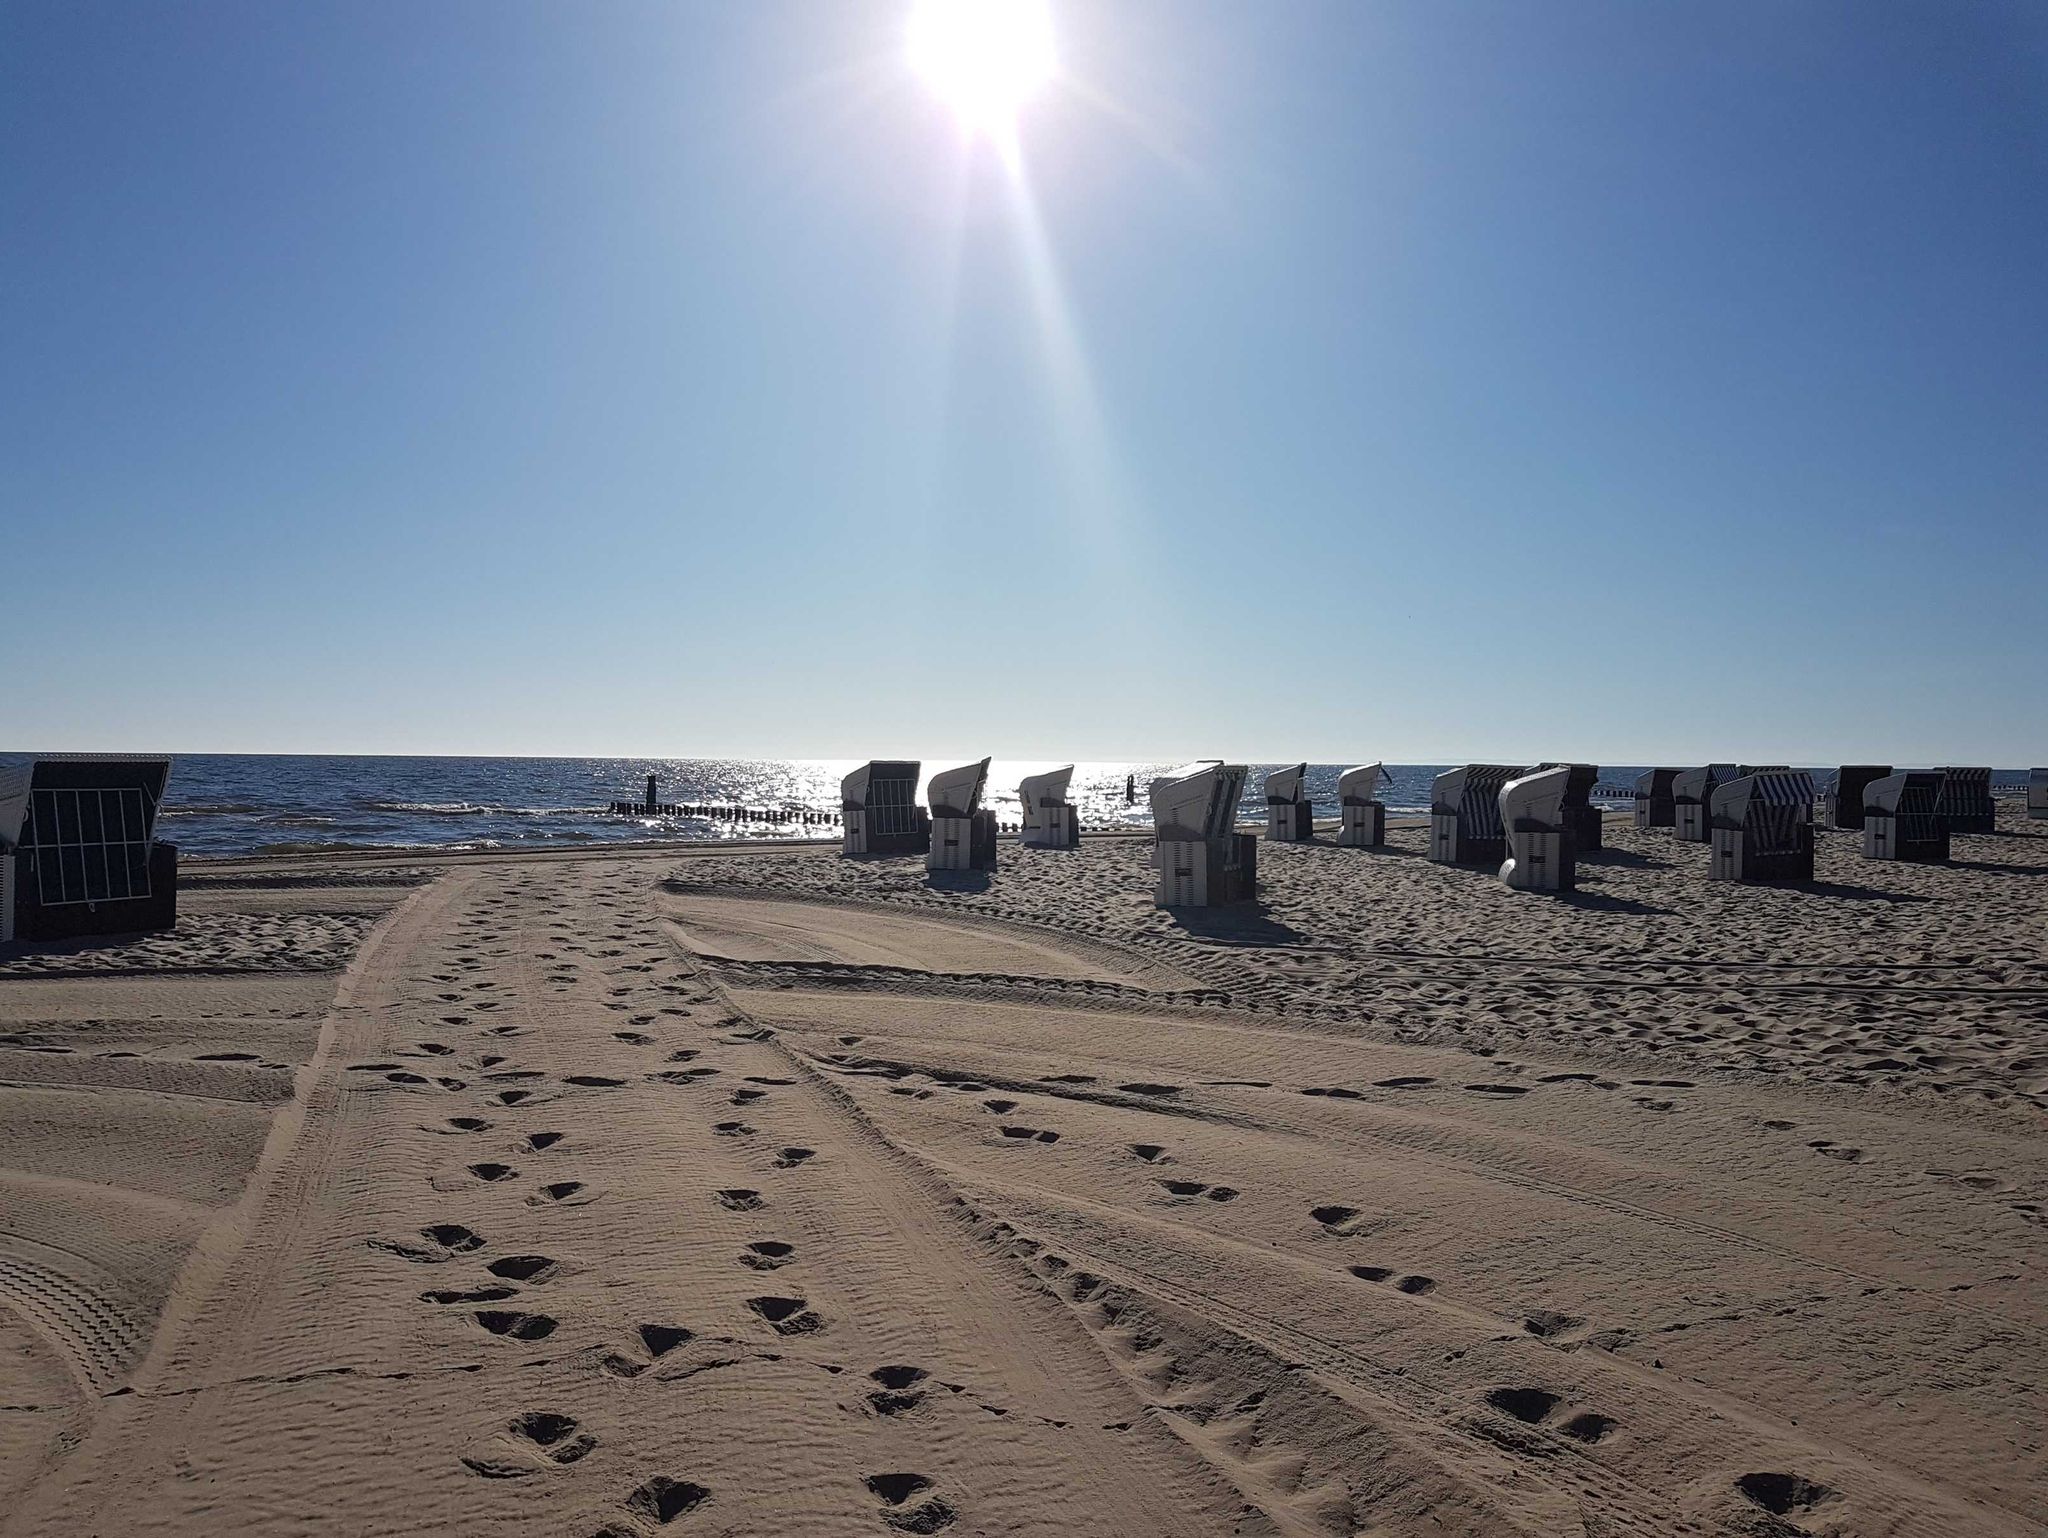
[210,809]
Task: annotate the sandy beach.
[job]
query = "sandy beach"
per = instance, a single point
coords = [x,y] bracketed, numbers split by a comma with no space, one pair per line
[748,1191]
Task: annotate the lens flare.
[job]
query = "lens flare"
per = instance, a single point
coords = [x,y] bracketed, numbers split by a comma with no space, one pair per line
[985,58]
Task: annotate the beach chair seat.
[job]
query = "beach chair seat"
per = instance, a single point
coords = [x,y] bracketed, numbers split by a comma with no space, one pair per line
[79,854]
[1199,858]
[1362,819]
[1542,840]
[963,833]
[1655,807]
[1050,820]
[1464,815]
[1902,818]
[1965,801]
[878,803]
[1762,828]
[1290,818]
[1845,798]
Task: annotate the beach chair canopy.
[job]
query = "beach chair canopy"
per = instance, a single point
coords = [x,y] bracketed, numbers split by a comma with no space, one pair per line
[1360,785]
[1698,784]
[1537,800]
[89,818]
[1652,783]
[883,782]
[1457,791]
[1283,786]
[1039,791]
[1912,793]
[1772,797]
[957,792]
[1579,792]
[1198,800]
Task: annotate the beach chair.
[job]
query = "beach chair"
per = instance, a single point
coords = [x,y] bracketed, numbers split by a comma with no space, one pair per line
[878,802]
[1654,805]
[1542,831]
[79,854]
[1966,804]
[1464,815]
[1845,799]
[1579,811]
[1364,819]
[1902,818]
[1050,820]
[963,833]
[1692,794]
[2037,794]
[1762,827]
[1290,819]
[1200,858]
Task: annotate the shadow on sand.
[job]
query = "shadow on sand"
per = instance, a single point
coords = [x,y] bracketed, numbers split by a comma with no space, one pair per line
[1239,924]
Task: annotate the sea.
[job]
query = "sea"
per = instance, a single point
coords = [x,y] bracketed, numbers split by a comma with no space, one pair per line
[239,804]
[221,804]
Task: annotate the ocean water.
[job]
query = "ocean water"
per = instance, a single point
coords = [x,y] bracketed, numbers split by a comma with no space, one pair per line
[260,803]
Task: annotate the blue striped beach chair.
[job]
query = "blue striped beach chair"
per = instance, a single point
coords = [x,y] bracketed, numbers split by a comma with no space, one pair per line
[1464,815]
[1762,827]
[1902,818]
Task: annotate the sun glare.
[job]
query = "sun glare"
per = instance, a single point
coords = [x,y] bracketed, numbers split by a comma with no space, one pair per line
[986,58]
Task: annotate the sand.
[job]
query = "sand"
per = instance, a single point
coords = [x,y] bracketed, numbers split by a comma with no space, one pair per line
[747,1192]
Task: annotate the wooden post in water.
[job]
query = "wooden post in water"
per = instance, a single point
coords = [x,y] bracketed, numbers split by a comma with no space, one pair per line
[650,795]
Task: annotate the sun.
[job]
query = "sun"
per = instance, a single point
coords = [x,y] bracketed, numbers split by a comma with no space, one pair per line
[985,58]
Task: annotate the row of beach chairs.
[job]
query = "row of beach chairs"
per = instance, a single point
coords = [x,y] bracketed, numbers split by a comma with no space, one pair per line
[1533,823]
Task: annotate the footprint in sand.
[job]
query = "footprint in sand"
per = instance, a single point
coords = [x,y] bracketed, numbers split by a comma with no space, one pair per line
[790,1158]
[537,1141]
[1828,1150]
[1335,1092]
[1408,1081]
[444,1242]
[787,1316]
[767,1254]
[898,1394]
[661,1339]
[739,1199]
[1186,1189]
[894,1490]
[1029,1134]
[1335,1219]
[515,1325]
[535,1269]
[662,1499]
[573,1192]
[1151,1153]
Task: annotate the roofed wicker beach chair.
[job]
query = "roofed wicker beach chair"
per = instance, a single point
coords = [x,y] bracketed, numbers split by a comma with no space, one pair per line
[1902,818]
[1364,818]
[1845,799]
[79,854]
[1542,832]
[1966,803]
[879,804]
[1763,827]
[963,832]
[1290,819]
[1692,793]
[1464,815]
[2037,794]
[1201,859]
[1050,820]
[1654,806]
[1579,810]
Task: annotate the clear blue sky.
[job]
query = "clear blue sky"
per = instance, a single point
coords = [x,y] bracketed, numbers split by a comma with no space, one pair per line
[1628,381]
